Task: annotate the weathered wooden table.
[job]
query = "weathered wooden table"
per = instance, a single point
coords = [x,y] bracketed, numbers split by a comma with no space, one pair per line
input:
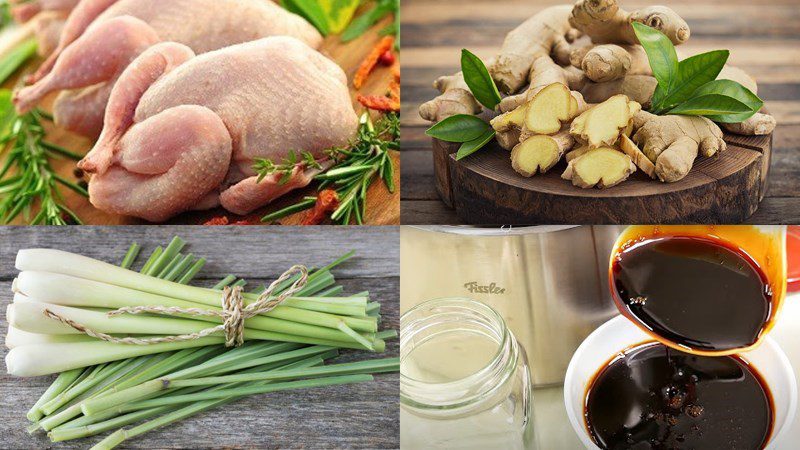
[763,38]
[362,415]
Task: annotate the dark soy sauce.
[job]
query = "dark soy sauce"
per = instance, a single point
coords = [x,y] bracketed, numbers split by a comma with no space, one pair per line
[695,292]
[655,397]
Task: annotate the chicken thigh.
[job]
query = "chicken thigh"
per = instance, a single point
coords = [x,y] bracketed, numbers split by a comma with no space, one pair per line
[101,37]
[182,132]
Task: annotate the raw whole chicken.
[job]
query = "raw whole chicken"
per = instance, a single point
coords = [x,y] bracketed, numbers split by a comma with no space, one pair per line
[101,37]
[25,10]
[182,131]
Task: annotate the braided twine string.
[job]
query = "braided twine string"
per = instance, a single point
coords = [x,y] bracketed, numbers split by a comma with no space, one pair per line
[233,313]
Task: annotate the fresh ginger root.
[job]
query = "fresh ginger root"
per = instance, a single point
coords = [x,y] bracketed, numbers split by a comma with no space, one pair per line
[540,153]
[601,125]
[577,153]
[639,159]
[536,37]
[609,62]
[673,142]
[544,34]
[543,113]
[602,167]
[545,72]
[548,109]
[508,139]
[605,23]
[456,99]
[757,125]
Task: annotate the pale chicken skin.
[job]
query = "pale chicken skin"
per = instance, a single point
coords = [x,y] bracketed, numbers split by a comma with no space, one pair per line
[101,37]
[182,132]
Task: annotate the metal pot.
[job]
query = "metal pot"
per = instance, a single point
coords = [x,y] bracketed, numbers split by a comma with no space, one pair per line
[549,283]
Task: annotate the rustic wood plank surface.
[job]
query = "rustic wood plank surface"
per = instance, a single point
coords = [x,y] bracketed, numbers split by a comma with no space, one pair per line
[354,416]
[762,37]
[383,207]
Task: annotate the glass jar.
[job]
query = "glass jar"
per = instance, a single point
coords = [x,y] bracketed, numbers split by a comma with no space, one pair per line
[464,379]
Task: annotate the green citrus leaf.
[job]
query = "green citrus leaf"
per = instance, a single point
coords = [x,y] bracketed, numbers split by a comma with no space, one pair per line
[468,148]
[459,128]
[479,80]
[735,90]
[712,104]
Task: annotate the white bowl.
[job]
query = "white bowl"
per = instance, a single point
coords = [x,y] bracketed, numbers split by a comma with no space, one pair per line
[619,334]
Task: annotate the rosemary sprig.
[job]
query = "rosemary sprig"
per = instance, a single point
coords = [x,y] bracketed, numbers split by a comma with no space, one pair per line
[27,180]
[286,167]
[356,168]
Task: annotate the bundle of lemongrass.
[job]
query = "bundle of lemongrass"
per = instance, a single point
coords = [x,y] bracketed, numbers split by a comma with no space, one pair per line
[106,385]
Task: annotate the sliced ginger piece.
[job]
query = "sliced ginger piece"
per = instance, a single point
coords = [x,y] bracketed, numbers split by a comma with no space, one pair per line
[602,125]
[578,152]
[540,153]
[636,155]
[602,167]
[549,108]
[510,120]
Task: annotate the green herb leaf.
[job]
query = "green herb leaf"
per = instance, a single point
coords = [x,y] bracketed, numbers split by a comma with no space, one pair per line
[468,148]
[692,73]
[16,58]
[660,52]
[712,104]
[362,23]
[479,80]
[459,128]
[311,11]
[735,90]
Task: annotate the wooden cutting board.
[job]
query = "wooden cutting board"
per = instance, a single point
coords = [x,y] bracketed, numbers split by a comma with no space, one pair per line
[383,207]
[484,189]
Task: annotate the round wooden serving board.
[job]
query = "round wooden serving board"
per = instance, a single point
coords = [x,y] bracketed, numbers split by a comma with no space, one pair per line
[484,189]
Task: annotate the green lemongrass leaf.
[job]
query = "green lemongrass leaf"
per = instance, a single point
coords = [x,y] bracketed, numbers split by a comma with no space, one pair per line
[735,90]
[459,128]
[16,58]
[480,82]
[468,148]
[311,11]
[692,73]
[712,104]
[660,52]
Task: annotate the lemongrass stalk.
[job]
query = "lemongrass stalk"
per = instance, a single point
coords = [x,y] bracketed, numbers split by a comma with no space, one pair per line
[153,257]
[74,409]
[62,382]
[130,256]
[239,283]
[331,292]
[92,428]
[386,334]
[47,397]
[122,435]
[92,378]
[43,359]
[373,308]
[224,282]
[176,361]
[170,265]
[179,268]
[192,272]
[172,249]
[351,368]
[120,396]
[71,291]
[29,316]
[16,338]
[233,356]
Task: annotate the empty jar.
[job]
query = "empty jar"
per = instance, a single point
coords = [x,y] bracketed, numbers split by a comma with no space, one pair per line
[464,379]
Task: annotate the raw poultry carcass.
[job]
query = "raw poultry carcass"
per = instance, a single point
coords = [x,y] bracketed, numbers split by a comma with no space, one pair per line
[182,132]
[101,37]
[25,10]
